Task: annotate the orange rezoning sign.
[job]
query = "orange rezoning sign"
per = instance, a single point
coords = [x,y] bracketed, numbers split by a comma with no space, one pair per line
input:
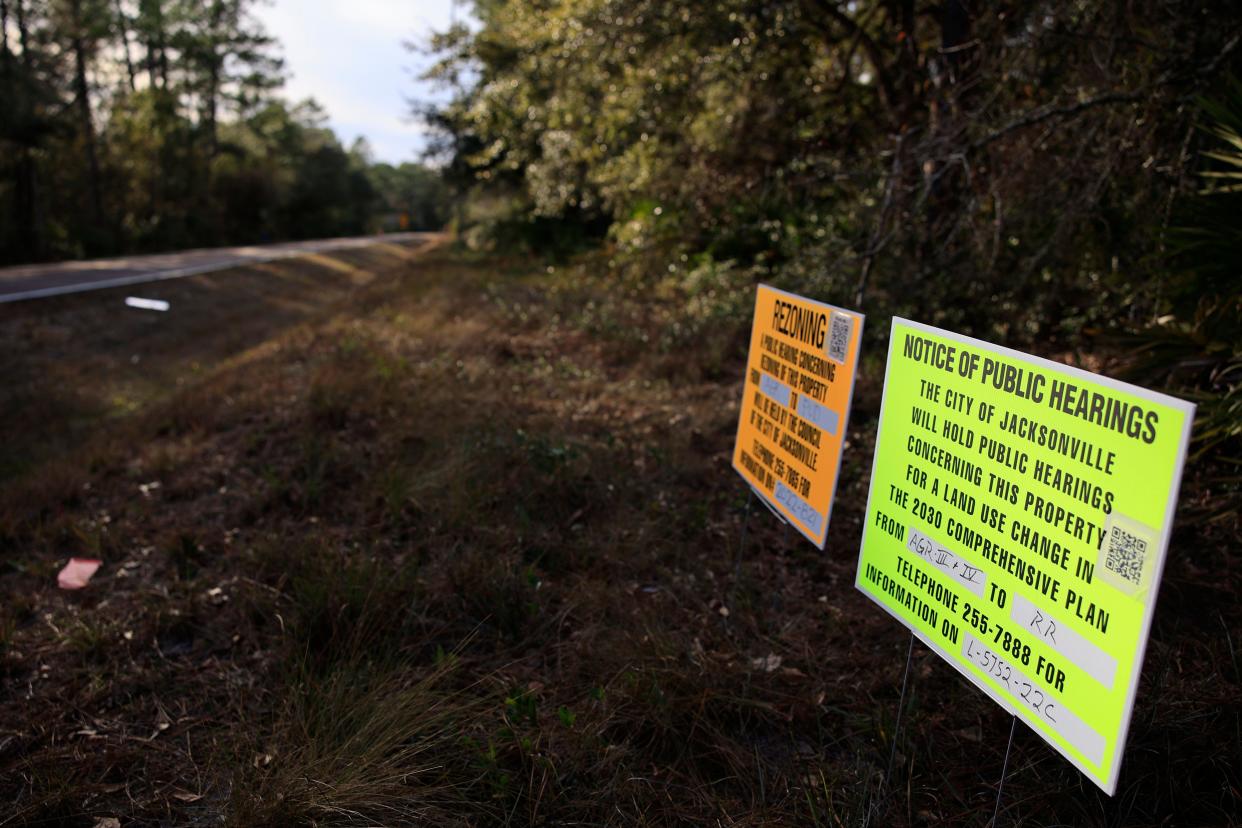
[796,405]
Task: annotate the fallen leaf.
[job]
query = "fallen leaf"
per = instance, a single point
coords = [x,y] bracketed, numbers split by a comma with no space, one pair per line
[970,734]
[107,822]
[186,796]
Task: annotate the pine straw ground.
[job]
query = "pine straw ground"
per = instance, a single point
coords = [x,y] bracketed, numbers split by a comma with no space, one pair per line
[396,537]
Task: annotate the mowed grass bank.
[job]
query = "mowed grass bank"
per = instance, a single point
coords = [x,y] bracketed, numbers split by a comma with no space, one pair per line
[405,538]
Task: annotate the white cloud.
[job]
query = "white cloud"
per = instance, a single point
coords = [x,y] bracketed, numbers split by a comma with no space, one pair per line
[348,55]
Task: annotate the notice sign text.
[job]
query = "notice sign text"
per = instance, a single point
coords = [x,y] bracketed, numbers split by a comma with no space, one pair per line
[795,404]
[1017,522]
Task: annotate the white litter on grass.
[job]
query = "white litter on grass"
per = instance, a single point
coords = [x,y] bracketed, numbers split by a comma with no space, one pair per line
[767,664]
[147,304]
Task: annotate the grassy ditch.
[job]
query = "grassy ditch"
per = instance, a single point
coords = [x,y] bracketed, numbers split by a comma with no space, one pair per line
[428,539]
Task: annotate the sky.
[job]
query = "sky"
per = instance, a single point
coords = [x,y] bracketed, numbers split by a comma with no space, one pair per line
[348,55]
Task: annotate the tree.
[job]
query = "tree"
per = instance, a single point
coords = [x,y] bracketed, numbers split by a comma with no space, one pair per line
[229,61]
[1030,148]
[411,190]
[153,124]
[84,26]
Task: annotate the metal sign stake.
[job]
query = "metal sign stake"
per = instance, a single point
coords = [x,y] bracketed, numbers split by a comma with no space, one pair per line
[1004,768]
[737,556]
[892,751]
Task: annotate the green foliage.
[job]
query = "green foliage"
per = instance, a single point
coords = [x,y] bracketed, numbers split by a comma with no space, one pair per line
[1226,124]
[1208,241]
[411,190]
[1195,346]
[1002,170]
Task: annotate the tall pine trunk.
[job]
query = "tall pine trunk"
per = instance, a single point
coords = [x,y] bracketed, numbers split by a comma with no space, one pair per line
[86,125]
[27,185]
[123,23]
[152,12]
[214,61]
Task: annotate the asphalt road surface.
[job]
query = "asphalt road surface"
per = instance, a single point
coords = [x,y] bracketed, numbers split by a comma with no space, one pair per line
[37,281]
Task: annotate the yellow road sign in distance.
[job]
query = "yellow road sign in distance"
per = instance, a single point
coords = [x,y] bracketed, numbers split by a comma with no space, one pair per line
[1017,522]
[795,405]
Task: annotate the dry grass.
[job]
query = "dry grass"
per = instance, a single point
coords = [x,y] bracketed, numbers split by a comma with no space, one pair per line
[439,540]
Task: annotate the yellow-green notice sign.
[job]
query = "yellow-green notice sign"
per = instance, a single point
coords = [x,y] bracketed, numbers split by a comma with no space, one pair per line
[1017,523]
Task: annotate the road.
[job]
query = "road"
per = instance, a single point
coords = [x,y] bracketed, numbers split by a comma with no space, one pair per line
[37,281]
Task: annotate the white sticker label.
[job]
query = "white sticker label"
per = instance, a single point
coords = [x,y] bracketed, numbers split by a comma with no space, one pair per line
[1048,709]
[1126,555]
[839,332]
[1056,634]
[971,577]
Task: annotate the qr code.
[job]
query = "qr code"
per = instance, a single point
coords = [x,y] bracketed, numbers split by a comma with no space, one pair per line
[1125,555]
[839,337]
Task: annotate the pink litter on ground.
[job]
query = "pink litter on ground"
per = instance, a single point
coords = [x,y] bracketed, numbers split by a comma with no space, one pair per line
[77,573]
